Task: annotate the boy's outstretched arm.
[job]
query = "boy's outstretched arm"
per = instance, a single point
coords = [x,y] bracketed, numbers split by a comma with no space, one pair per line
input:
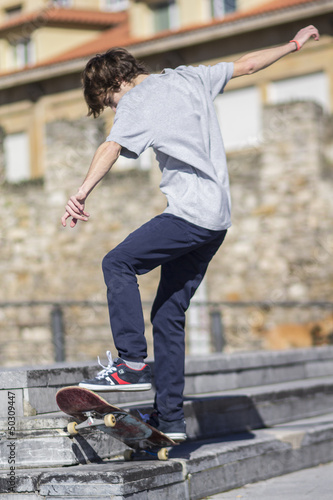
[255,61]
[105,157]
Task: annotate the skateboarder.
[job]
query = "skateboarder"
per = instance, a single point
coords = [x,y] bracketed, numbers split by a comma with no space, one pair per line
[173,113]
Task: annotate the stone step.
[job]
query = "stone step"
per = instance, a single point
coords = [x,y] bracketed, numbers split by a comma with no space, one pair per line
[195,470]
[44,439]
[34,389]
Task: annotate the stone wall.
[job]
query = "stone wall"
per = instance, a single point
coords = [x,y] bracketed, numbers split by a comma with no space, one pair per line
[281,244]
[278,249]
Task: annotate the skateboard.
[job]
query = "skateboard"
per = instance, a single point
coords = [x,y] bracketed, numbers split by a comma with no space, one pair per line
[91,410]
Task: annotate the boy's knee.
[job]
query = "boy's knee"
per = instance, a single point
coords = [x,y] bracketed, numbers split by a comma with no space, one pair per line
[110,262]
[116,267]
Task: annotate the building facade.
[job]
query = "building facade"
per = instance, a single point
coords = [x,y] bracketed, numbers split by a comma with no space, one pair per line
[277,131]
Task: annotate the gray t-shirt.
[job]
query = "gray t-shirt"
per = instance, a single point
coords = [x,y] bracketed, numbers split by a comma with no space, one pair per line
[173,113]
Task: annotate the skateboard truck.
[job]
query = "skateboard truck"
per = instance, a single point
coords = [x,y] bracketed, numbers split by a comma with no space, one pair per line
[93,420]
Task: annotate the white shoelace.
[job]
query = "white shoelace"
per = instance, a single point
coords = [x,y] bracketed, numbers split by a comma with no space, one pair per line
[106,369]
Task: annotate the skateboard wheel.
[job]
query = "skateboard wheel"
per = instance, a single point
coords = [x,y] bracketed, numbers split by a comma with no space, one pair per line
[71,428]
[163,454]
[110,420]
[128,455]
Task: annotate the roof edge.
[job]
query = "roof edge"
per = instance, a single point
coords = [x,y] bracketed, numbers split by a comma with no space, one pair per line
[178,39]
[53,14]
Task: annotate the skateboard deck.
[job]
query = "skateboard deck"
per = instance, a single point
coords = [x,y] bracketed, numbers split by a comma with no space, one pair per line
[91,410]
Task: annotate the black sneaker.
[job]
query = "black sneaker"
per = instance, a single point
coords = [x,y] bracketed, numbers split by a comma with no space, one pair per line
[175,430]
[117,376]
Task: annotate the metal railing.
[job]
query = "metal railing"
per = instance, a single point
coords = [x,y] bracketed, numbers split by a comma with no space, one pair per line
[57,321]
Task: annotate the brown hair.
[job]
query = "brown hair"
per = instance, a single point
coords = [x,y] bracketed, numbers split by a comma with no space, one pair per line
[104,73]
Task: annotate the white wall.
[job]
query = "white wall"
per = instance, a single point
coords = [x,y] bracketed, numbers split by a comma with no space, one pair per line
[239,113]
[17,157]
[313,87]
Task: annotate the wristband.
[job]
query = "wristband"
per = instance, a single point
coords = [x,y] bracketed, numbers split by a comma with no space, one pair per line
[298,45]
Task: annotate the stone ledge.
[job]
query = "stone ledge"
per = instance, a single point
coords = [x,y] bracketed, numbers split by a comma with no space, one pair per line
[71,373]
[256,359]
[36,394]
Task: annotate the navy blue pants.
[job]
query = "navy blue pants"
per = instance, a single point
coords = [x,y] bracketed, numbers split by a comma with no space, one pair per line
[183,250]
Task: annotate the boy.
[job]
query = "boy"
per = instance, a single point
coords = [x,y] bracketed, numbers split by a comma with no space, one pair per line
[173,113]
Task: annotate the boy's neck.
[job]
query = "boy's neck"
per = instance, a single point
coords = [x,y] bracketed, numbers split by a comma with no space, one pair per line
[138,79]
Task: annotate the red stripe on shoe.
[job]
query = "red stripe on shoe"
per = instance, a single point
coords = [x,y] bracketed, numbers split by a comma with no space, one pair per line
[122,382]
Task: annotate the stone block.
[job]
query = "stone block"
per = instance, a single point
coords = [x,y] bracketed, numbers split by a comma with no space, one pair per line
[319,368]
[53,447]
[36,334]
[113,479]
[222,372]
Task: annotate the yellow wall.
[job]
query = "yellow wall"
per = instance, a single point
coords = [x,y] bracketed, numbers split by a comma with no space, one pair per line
[141,20]
[20,117]
[31,118]
[249,4]
[87,4]
[190,12]
[68,105]
[31,5]
[27,6]
[3,54]
[50,42]
[193,12]
[47,43]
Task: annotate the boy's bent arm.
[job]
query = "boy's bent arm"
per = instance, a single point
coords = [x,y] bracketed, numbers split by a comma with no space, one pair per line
[255,61]
[105,157]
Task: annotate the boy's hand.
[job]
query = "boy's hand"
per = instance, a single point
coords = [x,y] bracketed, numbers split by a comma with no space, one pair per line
[303,35]
[75,209]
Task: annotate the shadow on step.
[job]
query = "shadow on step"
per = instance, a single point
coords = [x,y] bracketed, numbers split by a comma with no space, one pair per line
[185,450]
[209,419]
[84,452]
[212,416]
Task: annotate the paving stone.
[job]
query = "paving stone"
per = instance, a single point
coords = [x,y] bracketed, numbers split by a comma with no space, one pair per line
[113,479]
[306,484]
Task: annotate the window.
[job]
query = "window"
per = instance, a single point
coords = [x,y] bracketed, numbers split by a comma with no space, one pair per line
[313,87]
[17,157]
[62,3]
[239,114]
[115,5]
[220,8]
[22,53]
[16,10]
[165,16]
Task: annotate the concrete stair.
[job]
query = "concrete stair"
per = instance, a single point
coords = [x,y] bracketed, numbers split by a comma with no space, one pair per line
[250,416]
[194,471]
